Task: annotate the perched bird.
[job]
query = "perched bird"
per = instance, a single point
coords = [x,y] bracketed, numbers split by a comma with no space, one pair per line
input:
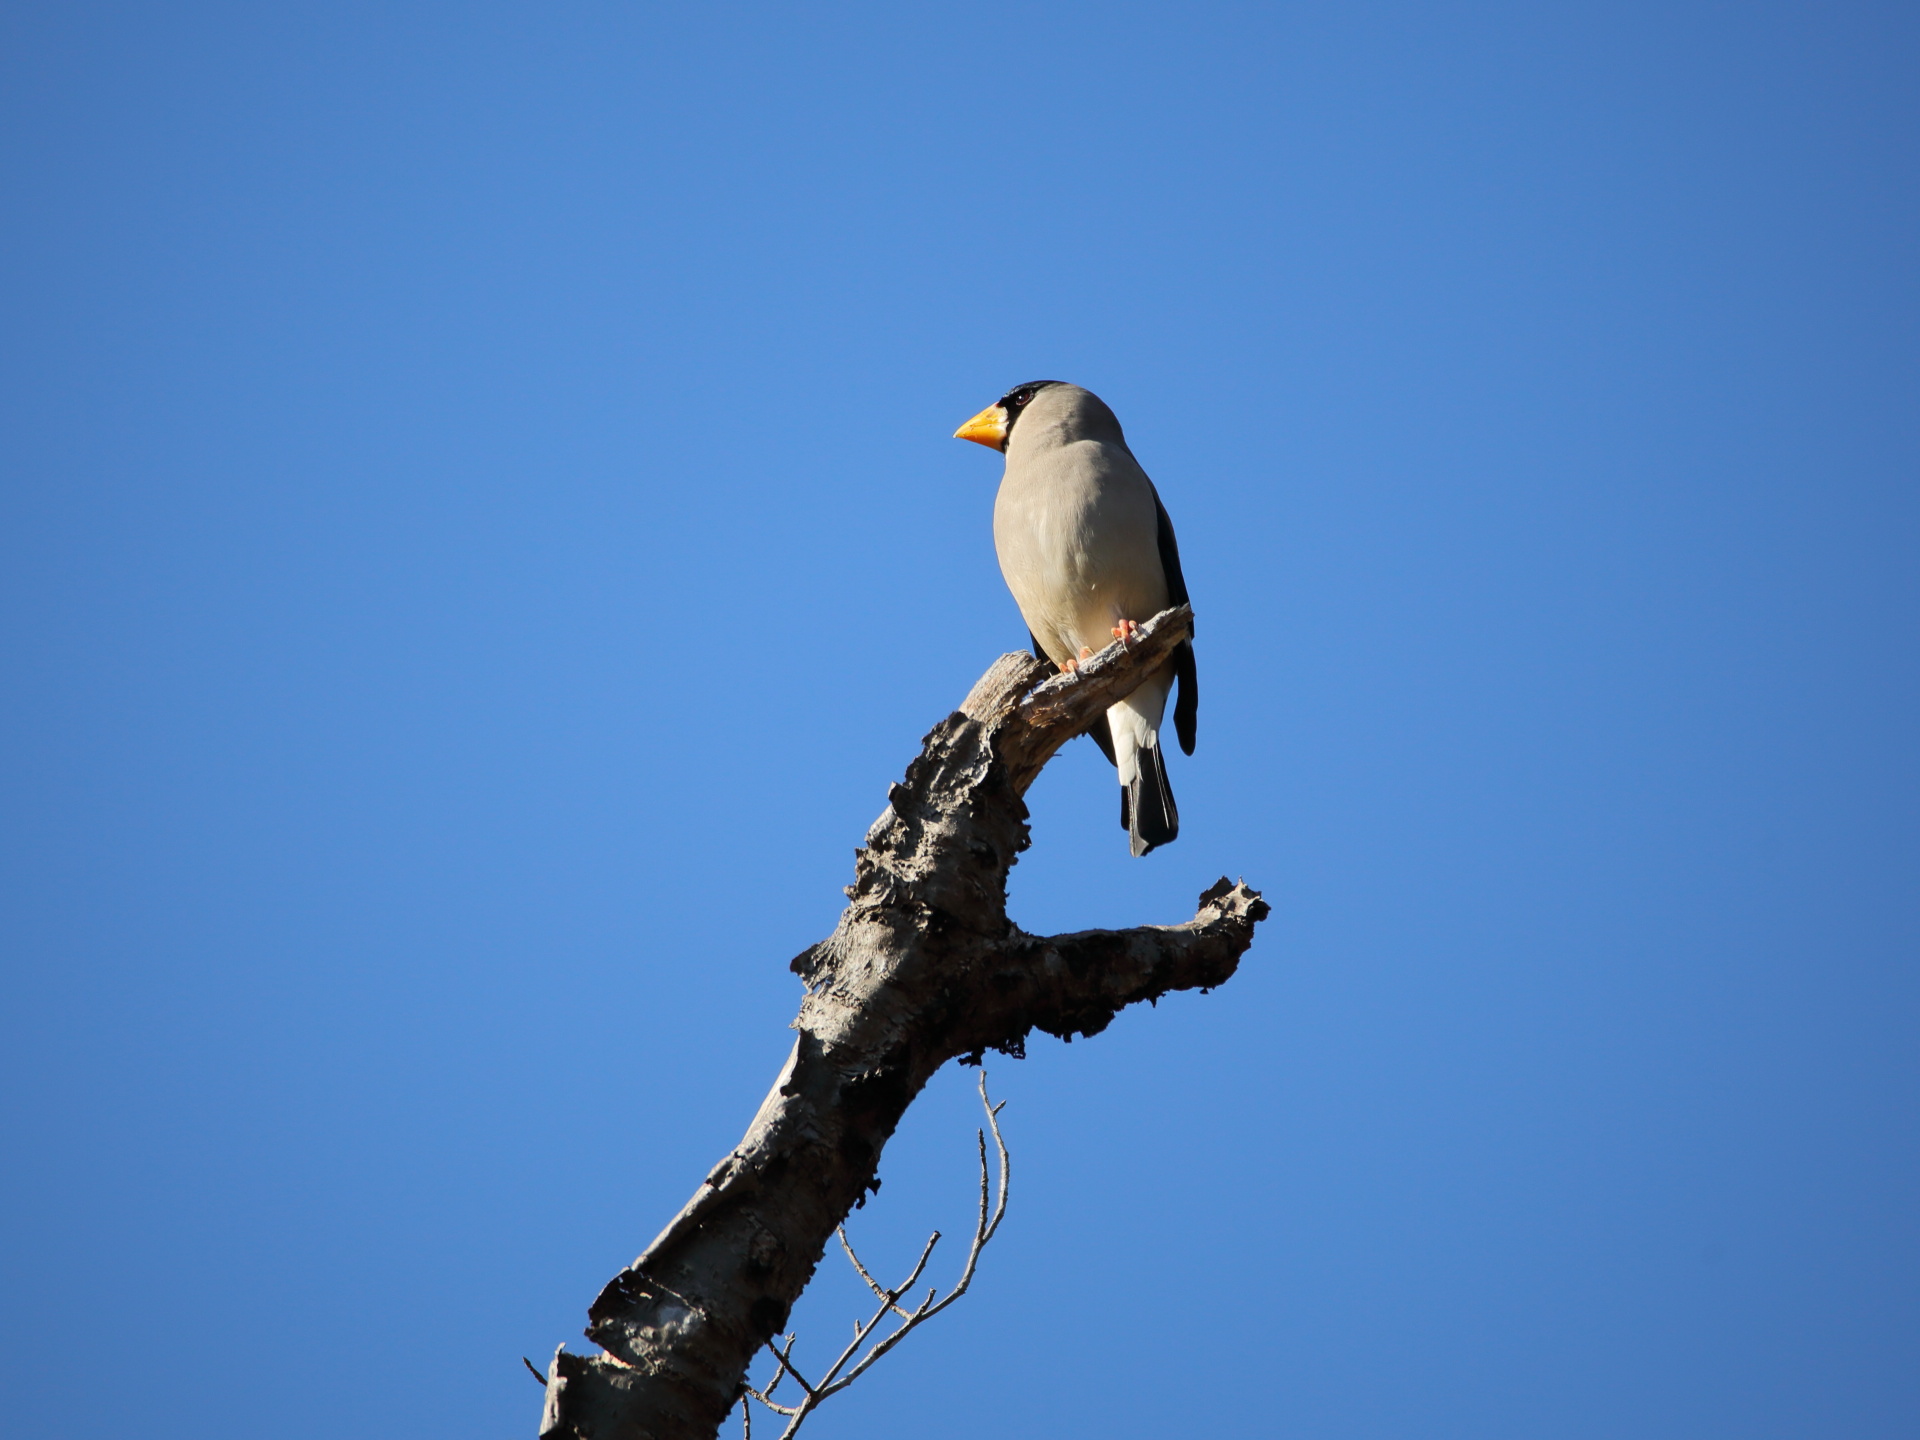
[1088,551]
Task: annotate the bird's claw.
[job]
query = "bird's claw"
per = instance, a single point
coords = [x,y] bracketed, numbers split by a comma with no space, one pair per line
[1125,630]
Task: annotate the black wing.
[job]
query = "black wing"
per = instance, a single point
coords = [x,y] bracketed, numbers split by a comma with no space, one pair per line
[1186,710]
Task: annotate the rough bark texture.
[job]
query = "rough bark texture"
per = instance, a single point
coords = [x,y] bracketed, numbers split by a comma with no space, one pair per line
[923,967]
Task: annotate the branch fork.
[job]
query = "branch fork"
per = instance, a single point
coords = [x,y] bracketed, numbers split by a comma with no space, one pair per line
[923,967]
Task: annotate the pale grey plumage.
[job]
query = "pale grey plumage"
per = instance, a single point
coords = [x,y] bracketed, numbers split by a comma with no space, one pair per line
[1084,543]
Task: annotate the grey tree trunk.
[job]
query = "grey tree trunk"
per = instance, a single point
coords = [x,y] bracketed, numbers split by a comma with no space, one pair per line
[923,967]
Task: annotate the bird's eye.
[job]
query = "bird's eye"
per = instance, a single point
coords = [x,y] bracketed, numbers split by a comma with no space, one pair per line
[1018,398]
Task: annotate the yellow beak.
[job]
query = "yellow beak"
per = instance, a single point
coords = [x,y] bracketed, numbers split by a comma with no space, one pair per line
[988,428]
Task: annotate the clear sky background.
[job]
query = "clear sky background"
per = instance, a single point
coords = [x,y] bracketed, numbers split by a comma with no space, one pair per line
[480,534]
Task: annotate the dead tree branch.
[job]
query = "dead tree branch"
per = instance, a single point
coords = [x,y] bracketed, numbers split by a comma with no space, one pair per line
[923,967]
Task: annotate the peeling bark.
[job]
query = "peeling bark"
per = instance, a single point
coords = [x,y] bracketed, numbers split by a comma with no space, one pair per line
[923,967]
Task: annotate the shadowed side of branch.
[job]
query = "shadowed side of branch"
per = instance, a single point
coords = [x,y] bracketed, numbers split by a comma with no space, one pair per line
[1068,985]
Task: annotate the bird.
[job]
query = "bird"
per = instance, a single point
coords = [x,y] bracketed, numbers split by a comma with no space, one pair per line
[1089,553]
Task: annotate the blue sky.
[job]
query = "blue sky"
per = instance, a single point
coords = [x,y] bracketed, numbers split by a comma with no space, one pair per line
[479,533]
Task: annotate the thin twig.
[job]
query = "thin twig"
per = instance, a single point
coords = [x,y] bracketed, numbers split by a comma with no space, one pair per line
[872,1283]
[829,1386]
[531,1370]
[765,1397]
[771,1405]
[779,1375]
[798,1378]
[992,1210]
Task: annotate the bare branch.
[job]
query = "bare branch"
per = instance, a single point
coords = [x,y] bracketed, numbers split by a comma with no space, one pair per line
[765,1397]
[774,1406]
[872,1283]
[923,967]
[833,1382]
[786,1368]
[831,1386]
[983,1228]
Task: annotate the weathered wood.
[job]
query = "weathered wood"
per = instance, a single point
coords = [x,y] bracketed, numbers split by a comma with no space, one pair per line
[923,967]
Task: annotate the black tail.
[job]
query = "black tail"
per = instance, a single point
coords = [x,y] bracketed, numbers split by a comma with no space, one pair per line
[1147,811]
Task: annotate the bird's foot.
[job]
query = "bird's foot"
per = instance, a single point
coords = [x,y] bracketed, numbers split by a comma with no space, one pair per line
[1125,630]
[1069,665]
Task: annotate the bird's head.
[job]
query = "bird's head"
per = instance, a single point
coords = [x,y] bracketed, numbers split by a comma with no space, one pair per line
[993,426]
